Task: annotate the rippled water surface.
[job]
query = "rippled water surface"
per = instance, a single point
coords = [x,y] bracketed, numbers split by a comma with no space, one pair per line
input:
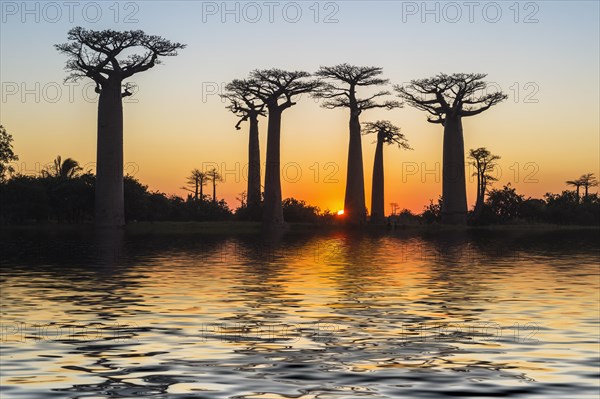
[332,315]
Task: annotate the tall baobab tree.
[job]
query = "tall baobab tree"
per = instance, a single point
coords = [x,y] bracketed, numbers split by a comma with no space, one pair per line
[66,169]
[248,108]
[448,99]
[484,162]
[277,90]
[214,176]
[196,181]
[387,133]
[588,180]
[109,58]
[339,90]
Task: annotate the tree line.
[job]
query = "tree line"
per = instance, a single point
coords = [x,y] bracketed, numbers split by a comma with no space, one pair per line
[109,58]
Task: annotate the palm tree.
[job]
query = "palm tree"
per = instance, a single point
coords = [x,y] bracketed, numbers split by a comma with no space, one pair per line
[448,99]
[588,180]
[386,133]
[339,90]
[484,162]
[66,169]
[577,184]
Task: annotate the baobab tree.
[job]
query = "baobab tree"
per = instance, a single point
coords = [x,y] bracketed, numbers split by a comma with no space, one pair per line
[276,89]
[248,108]
[588,180]
[387,133]
[214,176]
[448,99]
[484,162]
[109,58]
[196,182]
[339,90]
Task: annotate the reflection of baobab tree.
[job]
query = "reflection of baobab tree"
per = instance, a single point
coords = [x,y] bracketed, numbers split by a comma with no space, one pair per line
[339,90]
[388,134]
[108,58]
[447,99]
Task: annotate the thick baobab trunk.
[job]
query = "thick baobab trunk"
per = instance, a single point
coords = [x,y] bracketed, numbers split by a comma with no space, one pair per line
[354,201]
[109,208]
[454,191]
[377,200]
[273,211]
[214,190]
[253,165]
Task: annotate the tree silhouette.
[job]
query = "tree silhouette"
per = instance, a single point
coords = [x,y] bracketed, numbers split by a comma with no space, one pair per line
[386,133]
[196,181]
[484,162]
[339,90]
[588,180]
[214,176]
[276,89]
[577,184]
[6,154]
[245,105]
[447,99]
[109,58]
[67,169]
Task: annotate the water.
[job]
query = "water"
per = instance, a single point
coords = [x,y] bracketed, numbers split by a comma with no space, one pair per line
[331,315]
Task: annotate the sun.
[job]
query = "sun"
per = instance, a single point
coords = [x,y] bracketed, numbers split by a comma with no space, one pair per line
[340,212]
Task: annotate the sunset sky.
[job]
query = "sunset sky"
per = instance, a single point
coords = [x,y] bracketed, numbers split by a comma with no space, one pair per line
[544,55]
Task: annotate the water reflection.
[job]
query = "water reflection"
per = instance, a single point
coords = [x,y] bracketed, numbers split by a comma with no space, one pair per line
[344,315]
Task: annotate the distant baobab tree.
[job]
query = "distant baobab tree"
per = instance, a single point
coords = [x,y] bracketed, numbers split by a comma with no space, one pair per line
[447,99]
[277,89]
[66,169]
[588,180]
[214,176]
[387,133]
[339,90]
[245,105]
[196,182]
[109,57]
[484,162]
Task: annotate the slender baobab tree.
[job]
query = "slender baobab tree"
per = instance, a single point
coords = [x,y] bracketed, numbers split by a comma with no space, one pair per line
[484,162]
[109,58]
[248,108]
[339,90]
[449,98]
[214,176]
[588,180]
[196,182]
[277,90]
[387,133]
